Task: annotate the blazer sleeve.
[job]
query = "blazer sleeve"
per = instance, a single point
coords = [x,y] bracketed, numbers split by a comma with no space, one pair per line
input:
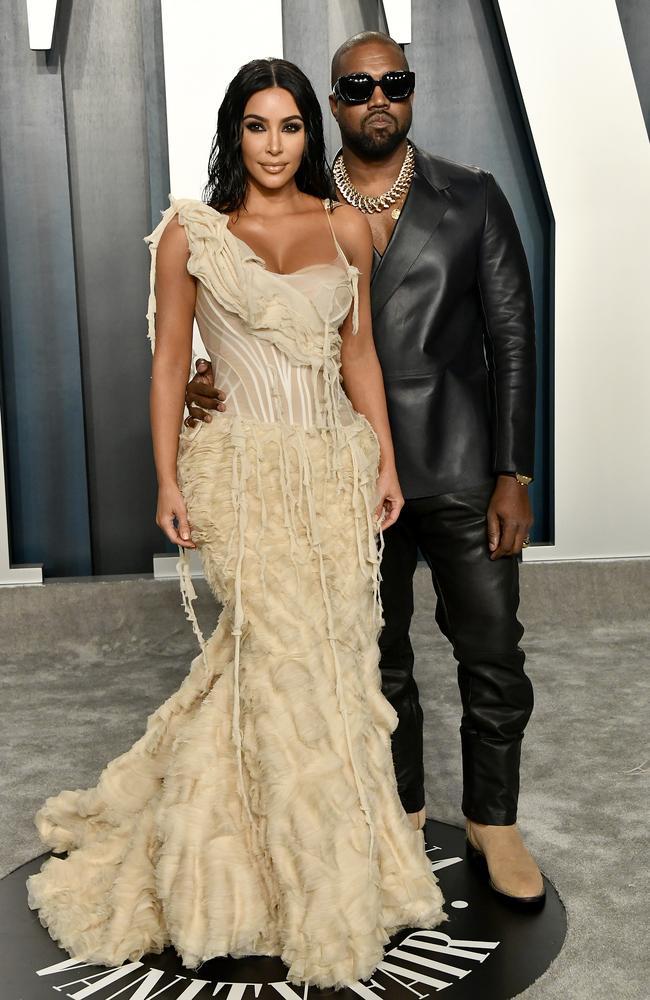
[507,300]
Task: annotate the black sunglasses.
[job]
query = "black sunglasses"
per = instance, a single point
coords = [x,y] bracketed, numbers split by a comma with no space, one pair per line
[357,88]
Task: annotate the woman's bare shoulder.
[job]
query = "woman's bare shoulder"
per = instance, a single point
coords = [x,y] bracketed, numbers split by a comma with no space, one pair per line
[173,252]
[173,242]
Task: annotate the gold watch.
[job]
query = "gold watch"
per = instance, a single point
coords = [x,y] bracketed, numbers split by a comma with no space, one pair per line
[522,479]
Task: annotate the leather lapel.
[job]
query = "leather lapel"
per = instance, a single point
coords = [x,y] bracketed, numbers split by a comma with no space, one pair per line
[425,206]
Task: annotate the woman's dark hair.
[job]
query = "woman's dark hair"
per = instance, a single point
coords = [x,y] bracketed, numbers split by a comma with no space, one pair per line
[227,177]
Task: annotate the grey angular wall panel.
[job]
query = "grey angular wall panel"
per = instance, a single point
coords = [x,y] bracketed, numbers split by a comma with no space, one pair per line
[154,107]
[108,132]
[42,390]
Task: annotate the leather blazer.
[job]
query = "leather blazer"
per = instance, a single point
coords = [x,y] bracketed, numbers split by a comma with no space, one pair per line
[454,330]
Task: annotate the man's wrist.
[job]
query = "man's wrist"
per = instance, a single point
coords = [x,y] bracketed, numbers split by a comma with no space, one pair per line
[522,478]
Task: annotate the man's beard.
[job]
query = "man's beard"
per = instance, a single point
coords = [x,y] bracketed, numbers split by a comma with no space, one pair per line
[375,146]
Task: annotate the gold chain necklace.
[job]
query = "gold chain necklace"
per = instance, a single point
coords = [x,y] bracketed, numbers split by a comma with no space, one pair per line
[375,203]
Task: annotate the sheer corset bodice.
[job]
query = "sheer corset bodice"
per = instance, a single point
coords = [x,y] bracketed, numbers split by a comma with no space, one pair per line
[262,381]
[273,339]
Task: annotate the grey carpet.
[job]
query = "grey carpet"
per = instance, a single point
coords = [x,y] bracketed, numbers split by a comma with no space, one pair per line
[84,663]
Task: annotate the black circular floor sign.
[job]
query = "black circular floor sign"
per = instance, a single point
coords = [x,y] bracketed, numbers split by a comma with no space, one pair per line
[485,950]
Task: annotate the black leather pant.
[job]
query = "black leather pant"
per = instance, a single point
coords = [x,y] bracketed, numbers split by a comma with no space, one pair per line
[477,602]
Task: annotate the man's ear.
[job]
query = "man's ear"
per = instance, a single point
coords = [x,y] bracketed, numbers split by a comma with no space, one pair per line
[333,105]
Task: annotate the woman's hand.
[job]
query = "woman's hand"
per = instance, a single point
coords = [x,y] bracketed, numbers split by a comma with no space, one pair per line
[391,500]
[171,506]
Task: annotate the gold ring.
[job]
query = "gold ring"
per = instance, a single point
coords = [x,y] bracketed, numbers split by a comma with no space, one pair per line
[525,542]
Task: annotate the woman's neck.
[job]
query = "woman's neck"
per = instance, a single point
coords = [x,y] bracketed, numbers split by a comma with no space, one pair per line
[260,200]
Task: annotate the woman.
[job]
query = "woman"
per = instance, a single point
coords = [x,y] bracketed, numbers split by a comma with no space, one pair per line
[259,812]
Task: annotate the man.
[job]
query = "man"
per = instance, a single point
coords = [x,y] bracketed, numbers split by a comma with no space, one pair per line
[453,327]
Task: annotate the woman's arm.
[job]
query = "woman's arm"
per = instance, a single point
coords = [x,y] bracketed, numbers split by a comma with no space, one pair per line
[175,300]
[360,368]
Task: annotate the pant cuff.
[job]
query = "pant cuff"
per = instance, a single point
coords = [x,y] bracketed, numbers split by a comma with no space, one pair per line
[412,801]
[490,817]
[490,779]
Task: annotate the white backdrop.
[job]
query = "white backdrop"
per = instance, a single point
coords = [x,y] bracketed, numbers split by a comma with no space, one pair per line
[206,41]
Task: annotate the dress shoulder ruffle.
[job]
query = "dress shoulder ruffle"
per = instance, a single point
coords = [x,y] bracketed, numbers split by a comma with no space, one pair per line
[211,260]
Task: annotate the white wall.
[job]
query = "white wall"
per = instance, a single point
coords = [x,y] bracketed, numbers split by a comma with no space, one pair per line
[580,98]
[398,19]
[205,43]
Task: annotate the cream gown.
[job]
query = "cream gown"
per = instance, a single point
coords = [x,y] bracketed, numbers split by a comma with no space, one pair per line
[258,814]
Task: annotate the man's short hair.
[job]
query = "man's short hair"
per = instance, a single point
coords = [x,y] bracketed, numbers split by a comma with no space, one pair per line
[362,38]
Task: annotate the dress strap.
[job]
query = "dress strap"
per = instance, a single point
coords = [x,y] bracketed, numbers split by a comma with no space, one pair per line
[353,272]
[327,203]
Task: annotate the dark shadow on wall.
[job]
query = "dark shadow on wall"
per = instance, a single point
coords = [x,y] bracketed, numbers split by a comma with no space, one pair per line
[635,22]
